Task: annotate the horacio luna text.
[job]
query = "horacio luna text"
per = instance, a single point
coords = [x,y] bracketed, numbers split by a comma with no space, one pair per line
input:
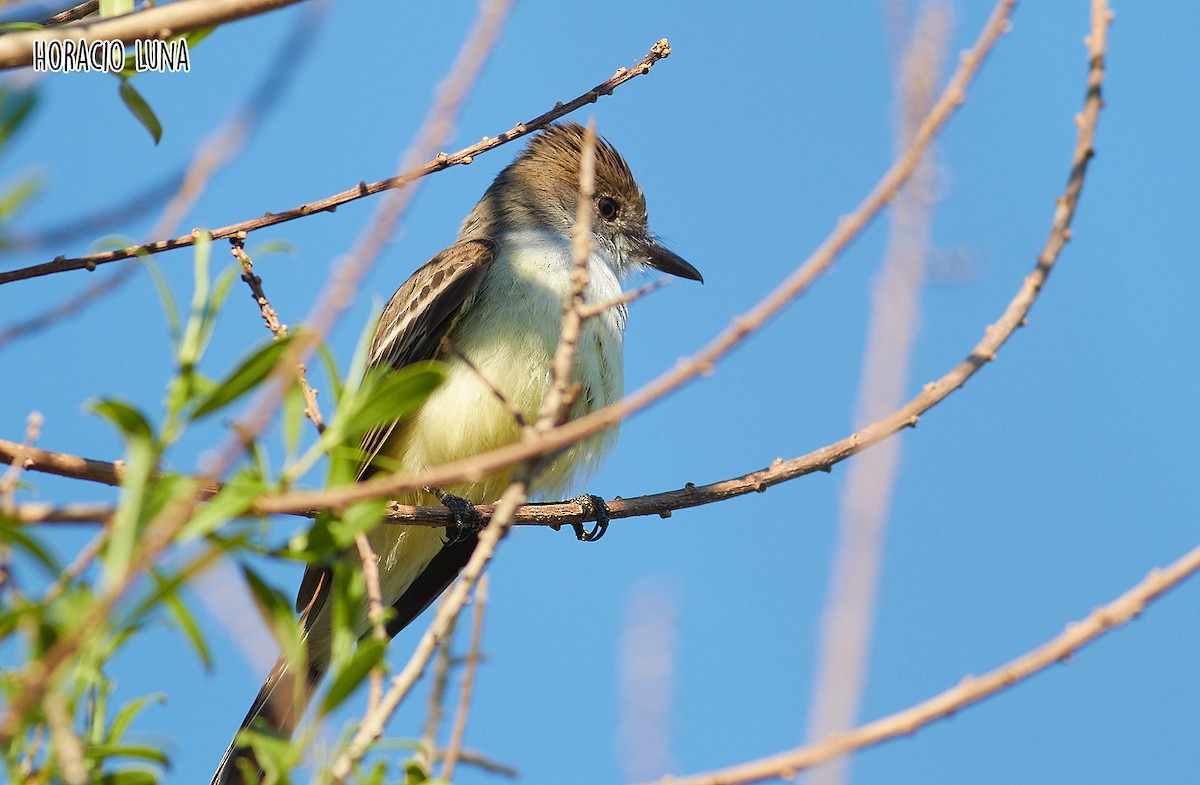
[77,54]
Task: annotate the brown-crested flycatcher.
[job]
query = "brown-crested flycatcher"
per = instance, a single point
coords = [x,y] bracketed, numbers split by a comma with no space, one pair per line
[497,295]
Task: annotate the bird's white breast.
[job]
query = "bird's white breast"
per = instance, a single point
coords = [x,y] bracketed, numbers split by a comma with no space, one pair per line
[510,334]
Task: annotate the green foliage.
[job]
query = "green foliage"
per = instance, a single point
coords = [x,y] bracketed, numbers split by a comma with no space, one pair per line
[141,110]
[169,527]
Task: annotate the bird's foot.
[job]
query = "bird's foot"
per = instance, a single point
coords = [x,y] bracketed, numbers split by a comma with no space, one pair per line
[467,520]
[593,506]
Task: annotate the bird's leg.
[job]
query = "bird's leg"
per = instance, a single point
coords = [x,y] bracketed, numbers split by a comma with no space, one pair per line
[467,519]
[592,506]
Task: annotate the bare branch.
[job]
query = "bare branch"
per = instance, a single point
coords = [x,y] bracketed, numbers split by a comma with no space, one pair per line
[184,190]
[71,14]
[20,460]
[454,747]
[972,690]
[684,371]
[969,691]
[557,400]
[442,161]
[159,22]
[509,406]
[311,410]
[370,565]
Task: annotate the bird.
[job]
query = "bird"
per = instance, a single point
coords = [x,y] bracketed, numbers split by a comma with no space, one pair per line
[489,308]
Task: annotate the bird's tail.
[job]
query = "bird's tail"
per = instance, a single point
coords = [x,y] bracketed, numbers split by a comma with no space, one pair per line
[279,706]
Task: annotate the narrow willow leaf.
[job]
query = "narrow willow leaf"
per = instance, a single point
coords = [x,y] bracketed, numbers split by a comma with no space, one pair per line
[143,752]
[234,498]
[129,777]
[369,654]
[128,712]
[141,456]
[115,7]
[187,624]
[248,375]
[140,109]
[393,394]
[15,106]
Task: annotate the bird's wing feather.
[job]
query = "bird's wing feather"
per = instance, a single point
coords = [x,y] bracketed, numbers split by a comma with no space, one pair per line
[411,328]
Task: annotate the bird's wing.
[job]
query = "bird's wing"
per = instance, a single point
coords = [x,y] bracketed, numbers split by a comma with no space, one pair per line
[410,330]
[419,316]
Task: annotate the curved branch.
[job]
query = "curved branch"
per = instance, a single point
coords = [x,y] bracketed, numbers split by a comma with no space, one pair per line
[974,689]
[663,504]
[158,22]
[329,204]
[969,691]
[742,327]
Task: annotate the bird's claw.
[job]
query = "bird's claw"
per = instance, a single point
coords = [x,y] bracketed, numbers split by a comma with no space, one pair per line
[593,506]
[467,520]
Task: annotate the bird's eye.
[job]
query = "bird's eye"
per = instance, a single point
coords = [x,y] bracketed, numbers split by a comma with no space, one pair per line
[609,207]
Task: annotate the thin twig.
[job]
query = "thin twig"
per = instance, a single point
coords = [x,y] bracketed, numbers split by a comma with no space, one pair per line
[592,310]
[8,489]
[224,144]
[509,406]
[454,747]
[478,760]
[271,318]
[557,400]
[157,22]
[370,565]
[659,51]
[436,705]
[581,428]
[20,460]
[970,690]
[72,14]
[66,745]
[435,635]
[1121,610]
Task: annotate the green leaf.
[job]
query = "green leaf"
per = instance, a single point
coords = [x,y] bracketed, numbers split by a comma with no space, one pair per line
[141,751]
[358,517]
[275,753]
[220,291]
[234,498]
[192,344]
[331,370]
[277,611]
[115,7]
[15,106]
[187,623]
[18,194]
[248,375]
[129,777]
[120,723]
[369,654]
[19,26]
[376,775]
[170,310]
[15,534]
[141,456]
[194,37]
[272,247]
[133,424]
[140,109]
[292,420]
[385,395]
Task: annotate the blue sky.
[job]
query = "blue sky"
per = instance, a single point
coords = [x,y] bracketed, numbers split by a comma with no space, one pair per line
[1055,480]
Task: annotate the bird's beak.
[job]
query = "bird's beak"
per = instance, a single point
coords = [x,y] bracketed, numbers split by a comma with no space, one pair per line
[667,261]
